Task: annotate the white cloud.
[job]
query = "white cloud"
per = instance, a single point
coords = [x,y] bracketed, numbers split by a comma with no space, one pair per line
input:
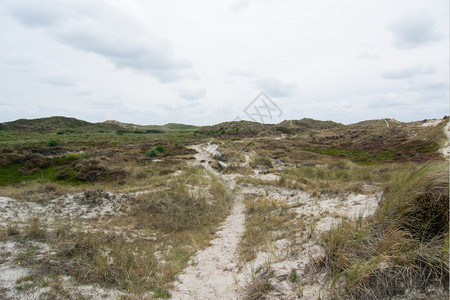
[94,26]
[191,94]
[16,60]
[59,80]
[408,72]
[415,29]
[239,5]
[367,55]
[274,87]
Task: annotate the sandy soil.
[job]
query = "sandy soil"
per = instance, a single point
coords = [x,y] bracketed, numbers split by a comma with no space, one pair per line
[213,273]
[320,214]
[432,122]
[66,207]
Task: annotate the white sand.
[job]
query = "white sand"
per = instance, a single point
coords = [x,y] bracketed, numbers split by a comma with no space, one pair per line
[432,122]
[211,274]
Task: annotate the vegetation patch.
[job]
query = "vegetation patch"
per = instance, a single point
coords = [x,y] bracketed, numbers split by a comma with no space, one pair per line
[179,208]
[418,151]
[156,151]
[404,248]
[163,229]
[266,221]
[260,285]
[338,176]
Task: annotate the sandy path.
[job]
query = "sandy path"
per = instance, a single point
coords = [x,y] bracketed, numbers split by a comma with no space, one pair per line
[211,274]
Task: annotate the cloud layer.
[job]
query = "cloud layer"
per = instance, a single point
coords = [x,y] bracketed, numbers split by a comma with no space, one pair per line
[408,72]
[95,27]
[277,88]
[415,29]
[153,62]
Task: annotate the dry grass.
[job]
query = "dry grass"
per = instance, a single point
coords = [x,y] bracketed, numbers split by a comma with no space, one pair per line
[259,286]
[338,176]
[260,161]
[140,177]
[238,168]
[36,192]
[142,250]
[183,208]
[266,221]
[404,247]
[417,201]
[257,181]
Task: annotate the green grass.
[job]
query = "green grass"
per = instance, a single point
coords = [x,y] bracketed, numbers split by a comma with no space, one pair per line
[355,154]
[397,153]
[10,175]
[89,137]
[48,173]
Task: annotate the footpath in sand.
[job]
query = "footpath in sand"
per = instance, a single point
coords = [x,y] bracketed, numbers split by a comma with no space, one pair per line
[211,273]
[216,273]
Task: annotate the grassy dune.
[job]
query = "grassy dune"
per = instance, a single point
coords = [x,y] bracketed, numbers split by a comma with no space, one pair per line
[403,247]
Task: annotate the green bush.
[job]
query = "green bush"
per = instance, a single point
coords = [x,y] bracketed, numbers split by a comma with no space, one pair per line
[152,153]
[160,149]
[52,143]
[156,151]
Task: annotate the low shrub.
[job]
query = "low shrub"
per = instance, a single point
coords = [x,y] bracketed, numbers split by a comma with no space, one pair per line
[152,153]
[160,149]
[52,143]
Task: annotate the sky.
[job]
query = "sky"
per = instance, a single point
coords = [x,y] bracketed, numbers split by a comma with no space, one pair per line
[203,62]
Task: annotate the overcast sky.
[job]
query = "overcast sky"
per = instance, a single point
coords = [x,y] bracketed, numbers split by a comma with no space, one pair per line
[204,61]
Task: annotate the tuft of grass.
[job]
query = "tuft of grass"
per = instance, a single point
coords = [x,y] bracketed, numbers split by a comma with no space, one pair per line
[258,161]
[181,208]
[160,293]
[264,218]
[404,247]
[293,277]
[260,285]
[417,201]
[34,230]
